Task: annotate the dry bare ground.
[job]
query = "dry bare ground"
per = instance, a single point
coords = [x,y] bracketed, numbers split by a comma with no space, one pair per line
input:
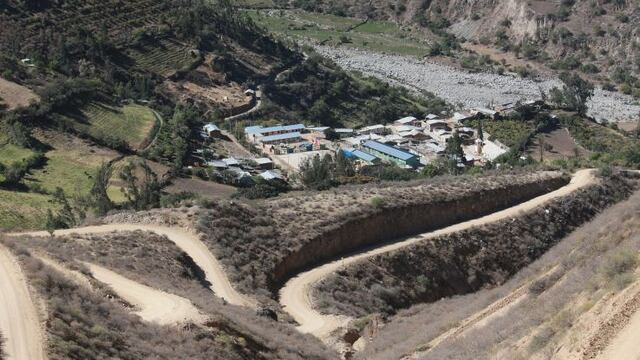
[14,95]
[579,303]
[152,305]
[186,241]
[157,267]
[19,320]
[295,298]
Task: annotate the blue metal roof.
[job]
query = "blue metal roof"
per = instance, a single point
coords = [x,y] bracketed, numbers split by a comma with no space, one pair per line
[280,137]
[389,150]
[262,130]
[363,155]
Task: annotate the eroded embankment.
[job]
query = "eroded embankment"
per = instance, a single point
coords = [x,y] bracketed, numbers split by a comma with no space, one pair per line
[263,245]
[392,222]
[465,261]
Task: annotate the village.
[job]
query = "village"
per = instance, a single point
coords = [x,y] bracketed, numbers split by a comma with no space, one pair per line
[410,143]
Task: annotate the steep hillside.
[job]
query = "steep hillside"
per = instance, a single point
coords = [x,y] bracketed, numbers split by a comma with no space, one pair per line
[600,39]
[578,301]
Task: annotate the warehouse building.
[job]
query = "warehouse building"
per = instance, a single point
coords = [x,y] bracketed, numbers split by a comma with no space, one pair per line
[392,154]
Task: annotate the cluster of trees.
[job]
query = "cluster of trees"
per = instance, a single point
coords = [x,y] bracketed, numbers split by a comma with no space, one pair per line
[320,91]
[172,145]
[321,173]
[574,94]
[14,172]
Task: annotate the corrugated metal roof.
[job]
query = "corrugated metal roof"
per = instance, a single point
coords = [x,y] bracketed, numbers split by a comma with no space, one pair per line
[363,155]
[389,150]
[262,161]
[277,137]
[405,120]
[263,130]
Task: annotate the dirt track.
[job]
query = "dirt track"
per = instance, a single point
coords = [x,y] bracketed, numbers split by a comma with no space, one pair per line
[295,298]
[152,305]
[18,316]
[189,243]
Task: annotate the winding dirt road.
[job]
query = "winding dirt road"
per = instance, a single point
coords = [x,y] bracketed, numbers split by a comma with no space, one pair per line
[152,305]
[188,242]
[295,295]
[18,316]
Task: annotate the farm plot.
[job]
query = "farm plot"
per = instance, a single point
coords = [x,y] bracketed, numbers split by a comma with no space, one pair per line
[71,164]
[163,58]
[22,210]
[130,124]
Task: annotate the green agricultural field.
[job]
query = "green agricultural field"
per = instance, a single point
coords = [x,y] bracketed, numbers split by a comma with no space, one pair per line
[23,211]
[10,153]
[508,132]
[131,124]
[70,166]
[379,36]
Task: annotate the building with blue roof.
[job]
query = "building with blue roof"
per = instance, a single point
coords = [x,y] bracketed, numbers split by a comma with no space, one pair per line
[281,138]
[361,155]
[391,154]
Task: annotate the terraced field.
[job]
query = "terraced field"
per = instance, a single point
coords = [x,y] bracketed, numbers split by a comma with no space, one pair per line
[130,124]
[163,58]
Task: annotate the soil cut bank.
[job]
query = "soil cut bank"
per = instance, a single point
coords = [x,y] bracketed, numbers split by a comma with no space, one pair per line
[295,296]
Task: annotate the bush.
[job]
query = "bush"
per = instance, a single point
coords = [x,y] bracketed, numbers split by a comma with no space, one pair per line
[378,201]
[620,263]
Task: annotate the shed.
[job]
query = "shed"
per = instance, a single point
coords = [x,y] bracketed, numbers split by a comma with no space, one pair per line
[264,163]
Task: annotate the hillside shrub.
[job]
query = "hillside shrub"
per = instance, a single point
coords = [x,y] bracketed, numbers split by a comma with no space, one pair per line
[468,260]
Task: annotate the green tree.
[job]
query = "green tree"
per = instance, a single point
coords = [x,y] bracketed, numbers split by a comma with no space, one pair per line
[480,131]
[99,199]
[454,147]
[574,94]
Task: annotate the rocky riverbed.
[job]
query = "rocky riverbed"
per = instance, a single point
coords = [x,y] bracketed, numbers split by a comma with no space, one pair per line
[465,89]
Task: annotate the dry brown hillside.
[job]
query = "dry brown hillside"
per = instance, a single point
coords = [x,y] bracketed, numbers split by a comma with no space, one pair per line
[578,301]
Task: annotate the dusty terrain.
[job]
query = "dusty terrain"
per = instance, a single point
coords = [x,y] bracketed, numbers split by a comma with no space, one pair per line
[151,305]
[186,241]
[558,144]
[294,296]
[19,320]
[14,95]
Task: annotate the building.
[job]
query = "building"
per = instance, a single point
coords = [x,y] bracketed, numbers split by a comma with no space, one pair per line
[409,120]
[373,129]
[255,132]
[212,130]
[264,163]
[392,154]
[343,133]
[231,161]
[284,138]
[271,175]
[360,155]
[431,117]
[435,124]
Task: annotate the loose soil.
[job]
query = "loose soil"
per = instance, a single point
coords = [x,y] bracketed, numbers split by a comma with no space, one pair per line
[14,95]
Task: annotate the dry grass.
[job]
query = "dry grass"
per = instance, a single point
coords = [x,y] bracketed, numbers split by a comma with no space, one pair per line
[153,260]
[252,241]
[462,262]
[581,261]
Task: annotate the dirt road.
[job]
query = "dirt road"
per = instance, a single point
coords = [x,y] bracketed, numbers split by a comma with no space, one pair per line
[188,242]
[18,316]
[295,298]
[152,305]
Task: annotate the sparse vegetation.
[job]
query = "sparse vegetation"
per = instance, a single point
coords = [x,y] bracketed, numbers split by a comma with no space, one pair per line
[571,271]
[466,261]
[255,243]
[100,325]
